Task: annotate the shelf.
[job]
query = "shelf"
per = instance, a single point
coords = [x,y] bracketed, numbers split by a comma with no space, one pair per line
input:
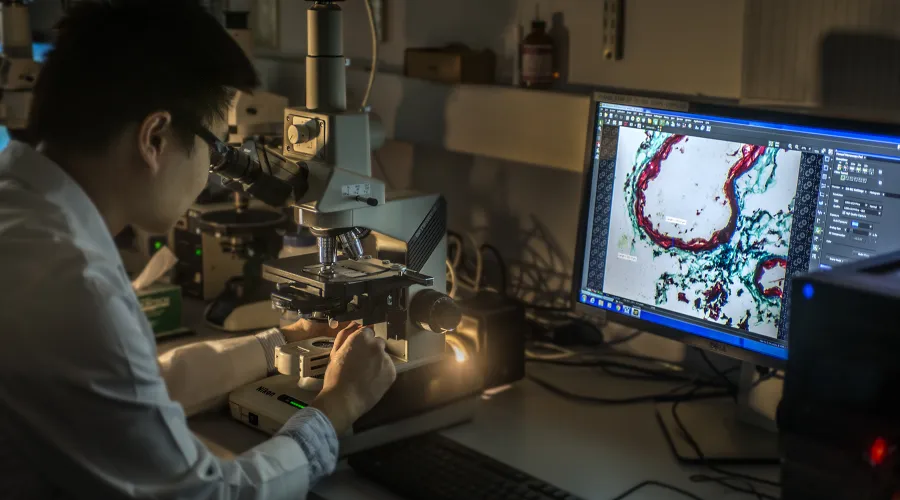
[535,127]
[526,126]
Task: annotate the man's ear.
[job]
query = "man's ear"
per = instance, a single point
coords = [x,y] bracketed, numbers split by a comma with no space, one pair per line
[155,139]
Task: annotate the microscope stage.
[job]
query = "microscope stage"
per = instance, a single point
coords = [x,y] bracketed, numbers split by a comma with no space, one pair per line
[306,269]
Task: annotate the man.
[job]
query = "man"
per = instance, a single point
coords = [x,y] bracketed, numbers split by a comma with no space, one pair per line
[85,410]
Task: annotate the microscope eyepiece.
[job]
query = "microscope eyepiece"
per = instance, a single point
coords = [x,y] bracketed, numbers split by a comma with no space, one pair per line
[234,164]
[238,165]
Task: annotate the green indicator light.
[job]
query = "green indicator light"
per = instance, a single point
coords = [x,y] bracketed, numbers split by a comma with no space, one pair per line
[298,405]
[157,245]
[198,252]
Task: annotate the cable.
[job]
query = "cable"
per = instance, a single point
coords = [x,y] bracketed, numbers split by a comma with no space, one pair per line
[500,263]
[724,481]
[658,484]
[452,273]
[715,370]
[634,372]
[562,358]
[479,261]
[365,101]
[561,352]
[696,447]
[628,338]
[453,238]
[665,397]
[672,366]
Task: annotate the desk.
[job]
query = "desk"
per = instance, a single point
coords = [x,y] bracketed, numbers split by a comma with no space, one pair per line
[595,452]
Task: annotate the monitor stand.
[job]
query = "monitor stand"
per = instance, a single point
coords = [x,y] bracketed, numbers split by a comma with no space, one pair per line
[728,432]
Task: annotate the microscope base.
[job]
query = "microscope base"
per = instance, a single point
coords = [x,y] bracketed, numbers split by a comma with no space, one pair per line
[424,399]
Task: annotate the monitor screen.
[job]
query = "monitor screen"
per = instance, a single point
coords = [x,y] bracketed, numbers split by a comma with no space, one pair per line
[40,51]
[695,219]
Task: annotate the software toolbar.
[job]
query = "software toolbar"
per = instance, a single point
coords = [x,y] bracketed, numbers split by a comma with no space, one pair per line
[857,195]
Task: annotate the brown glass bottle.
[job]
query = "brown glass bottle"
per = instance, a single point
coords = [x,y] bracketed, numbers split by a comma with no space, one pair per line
[537,53]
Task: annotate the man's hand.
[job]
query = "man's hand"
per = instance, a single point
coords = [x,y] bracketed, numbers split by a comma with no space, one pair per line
[358,375]
[306,329]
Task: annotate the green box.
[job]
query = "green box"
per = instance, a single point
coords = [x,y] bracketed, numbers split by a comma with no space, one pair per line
[161,302]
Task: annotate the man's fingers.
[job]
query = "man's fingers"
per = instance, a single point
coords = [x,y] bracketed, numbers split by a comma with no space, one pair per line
[343,325]
[343,335]
[389,367]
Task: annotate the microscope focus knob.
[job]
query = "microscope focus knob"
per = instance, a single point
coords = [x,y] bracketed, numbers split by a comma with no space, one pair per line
[302,133]
[435,311]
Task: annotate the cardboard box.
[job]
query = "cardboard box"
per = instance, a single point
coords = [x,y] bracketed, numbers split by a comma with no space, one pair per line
[454,64]
[161,303]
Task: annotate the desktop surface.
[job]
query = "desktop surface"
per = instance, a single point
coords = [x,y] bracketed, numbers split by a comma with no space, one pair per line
[592,451]
[695,217]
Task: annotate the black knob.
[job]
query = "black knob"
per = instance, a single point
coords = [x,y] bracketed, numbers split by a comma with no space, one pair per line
[435,311]
[372,202]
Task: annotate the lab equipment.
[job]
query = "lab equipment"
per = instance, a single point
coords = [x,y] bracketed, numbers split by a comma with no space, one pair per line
[433,466]
[18,66]
[207,261]
[453,64]
[839,414]
[380,260]
[492,334]
[259,113]
[241,238]
[696,215]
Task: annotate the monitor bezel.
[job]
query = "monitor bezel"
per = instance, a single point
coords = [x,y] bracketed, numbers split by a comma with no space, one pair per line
[678,103]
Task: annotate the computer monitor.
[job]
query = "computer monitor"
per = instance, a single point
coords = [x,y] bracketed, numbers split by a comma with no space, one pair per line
[695,216]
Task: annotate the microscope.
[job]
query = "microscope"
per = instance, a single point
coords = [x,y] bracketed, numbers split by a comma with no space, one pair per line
[259,113]
[380,262]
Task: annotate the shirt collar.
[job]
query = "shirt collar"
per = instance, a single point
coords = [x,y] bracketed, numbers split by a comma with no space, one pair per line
[22,162]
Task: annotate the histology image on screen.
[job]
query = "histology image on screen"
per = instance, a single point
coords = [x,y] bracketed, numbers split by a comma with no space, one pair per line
[702,227]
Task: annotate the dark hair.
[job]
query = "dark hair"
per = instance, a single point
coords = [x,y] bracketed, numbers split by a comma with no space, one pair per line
[115,62]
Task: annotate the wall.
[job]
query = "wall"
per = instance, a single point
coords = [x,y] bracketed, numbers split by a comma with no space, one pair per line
[688,46]
[842,54]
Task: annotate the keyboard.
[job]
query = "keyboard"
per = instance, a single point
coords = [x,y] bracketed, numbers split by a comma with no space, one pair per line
[433,467]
